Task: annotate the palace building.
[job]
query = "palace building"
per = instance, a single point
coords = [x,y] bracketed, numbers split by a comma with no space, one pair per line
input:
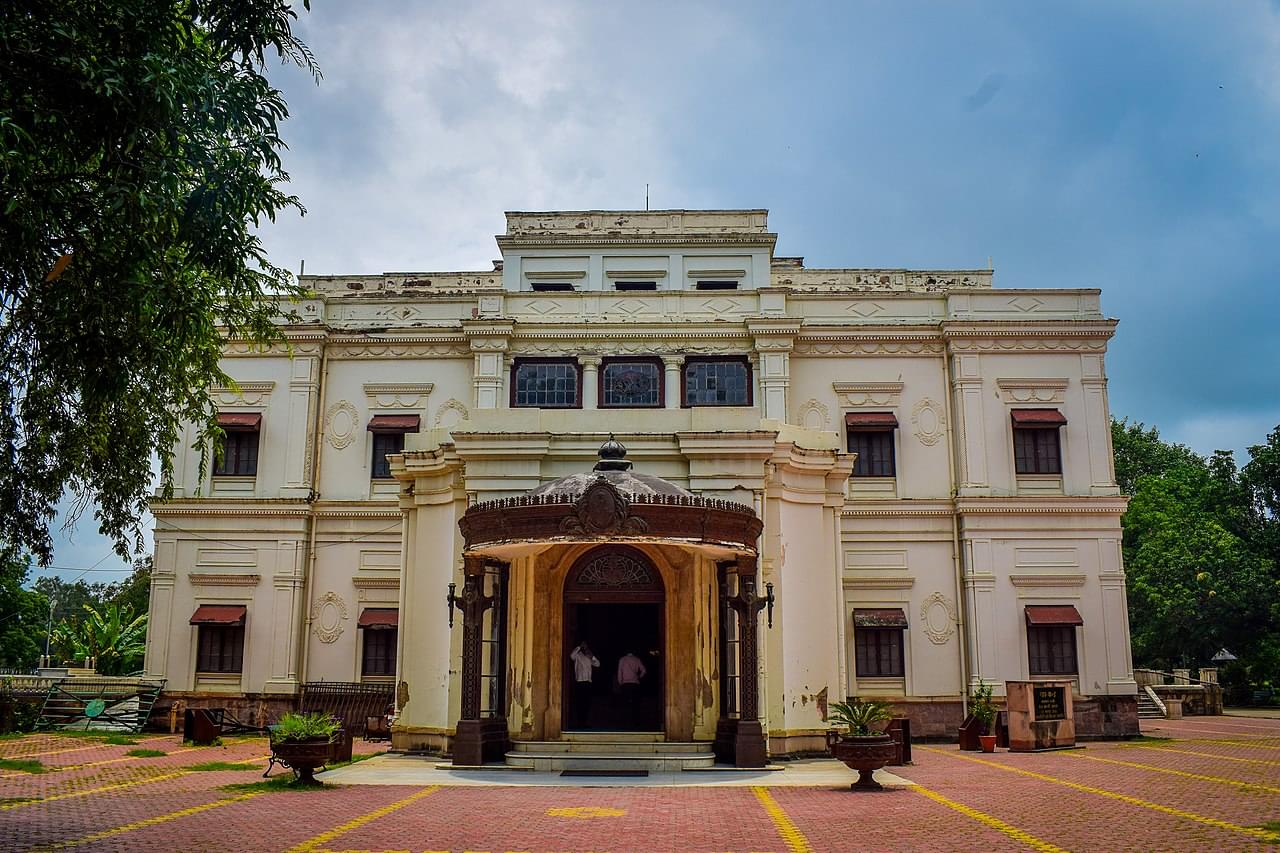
[774,486]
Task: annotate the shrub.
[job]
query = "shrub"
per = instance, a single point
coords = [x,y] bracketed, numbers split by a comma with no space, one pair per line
[861,718]
[306,727]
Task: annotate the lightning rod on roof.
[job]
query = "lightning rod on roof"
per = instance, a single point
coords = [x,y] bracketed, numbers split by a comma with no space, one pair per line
[646,196]
[302,266]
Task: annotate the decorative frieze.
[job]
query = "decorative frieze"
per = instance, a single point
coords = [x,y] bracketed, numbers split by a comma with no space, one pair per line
[223,579]
[854,395]
[397,395]
[1022,391]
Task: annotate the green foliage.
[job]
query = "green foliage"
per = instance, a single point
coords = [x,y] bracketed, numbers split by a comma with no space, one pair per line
[146,753]
[24,615]
[1200,549]
[859,717]
[24,765]
[283,782]
[305,727]
[141,153]
[981,707]
[113,636]
[211,766]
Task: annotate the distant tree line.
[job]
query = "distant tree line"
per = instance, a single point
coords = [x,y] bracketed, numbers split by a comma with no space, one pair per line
[1202,554]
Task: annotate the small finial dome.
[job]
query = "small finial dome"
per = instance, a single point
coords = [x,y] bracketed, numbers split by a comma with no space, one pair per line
[613,456]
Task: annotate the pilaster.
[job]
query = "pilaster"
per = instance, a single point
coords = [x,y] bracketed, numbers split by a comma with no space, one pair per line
[304,386]
[489,342]
[970,434]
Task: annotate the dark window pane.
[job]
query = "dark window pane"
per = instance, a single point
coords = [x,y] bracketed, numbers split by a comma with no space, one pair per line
[716,285]
[875,452]
[1037,451]
[635,285]
[546,384]
[717,383]
[878,653]
[1051,650]
[379,651]
[220,648]
[239,454]
[632,384]
[385,443]
[551,286]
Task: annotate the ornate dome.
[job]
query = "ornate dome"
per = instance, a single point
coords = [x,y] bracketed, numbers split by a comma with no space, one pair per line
[615,468]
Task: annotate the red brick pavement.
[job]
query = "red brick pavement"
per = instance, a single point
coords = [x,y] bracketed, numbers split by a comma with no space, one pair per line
[1204,789]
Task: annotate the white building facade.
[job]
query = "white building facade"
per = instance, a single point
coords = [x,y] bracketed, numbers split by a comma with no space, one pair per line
[920,465]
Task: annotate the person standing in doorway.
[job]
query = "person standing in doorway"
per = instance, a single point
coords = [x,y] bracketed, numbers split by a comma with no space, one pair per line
[584,665]
[630,671]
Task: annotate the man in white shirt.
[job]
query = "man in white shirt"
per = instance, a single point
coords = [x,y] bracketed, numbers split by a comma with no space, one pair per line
[584,663]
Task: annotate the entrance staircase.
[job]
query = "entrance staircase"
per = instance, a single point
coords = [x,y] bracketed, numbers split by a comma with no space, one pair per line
[605,751]
[1149,707]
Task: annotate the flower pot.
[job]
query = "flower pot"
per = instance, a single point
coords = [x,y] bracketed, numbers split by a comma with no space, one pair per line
[866,754]
[304,756]
[988,742]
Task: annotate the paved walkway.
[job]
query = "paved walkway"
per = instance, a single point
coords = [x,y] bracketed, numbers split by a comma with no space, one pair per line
[1193,784]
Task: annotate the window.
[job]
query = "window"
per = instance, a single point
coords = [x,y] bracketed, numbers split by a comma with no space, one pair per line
[388,437]
[878,652]
[1051,649]
[715,285]
[877,641]
[635,285]
[239,444]
[550,286]
[220,648]
[1036,448]
[632,383]
[379,656]
[546,384]
[871,437]
[717,382]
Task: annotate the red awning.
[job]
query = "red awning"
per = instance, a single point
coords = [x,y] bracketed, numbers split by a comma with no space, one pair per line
[1053,614]
[379,618]
[219,614]
[1038,417]
[239,420]
[394,423]
[891,617]
[872,420]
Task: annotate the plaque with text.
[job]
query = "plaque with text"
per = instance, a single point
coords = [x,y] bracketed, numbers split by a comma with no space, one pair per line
[1050,703]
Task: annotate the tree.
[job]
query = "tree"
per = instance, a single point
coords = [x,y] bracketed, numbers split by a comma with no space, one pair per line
[135,590]
[141,147]
[113,636]
[23,615]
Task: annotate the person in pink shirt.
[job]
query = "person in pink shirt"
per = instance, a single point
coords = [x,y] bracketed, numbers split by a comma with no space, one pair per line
[630,671]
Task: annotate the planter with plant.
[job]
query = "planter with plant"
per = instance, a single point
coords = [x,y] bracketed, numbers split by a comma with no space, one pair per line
[304,742]
[984,713]
[863,746]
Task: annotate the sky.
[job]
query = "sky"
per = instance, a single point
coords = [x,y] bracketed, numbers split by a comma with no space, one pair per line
[1128,146]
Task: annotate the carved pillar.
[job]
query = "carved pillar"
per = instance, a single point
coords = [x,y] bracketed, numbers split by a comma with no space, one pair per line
[671,364]
[590,380]
[479,740]
[745,735]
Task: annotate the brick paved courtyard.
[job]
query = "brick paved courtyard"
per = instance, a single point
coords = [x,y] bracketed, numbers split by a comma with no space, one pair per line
[1207,784]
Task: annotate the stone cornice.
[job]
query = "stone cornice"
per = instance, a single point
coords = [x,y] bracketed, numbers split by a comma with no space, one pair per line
[376,582]
[878,583]
[1055,504]
[1048,580]
[542,241]
[223,579]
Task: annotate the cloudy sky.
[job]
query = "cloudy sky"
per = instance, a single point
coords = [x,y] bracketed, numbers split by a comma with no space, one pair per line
[1126,146]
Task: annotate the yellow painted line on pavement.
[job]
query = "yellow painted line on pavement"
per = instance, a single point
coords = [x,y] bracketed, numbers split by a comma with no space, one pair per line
[1253,832]
[1271,762]
[994,822]
[146,822]
[99,745]
[4,807]
[791,834]
[1199,777]
[313,844]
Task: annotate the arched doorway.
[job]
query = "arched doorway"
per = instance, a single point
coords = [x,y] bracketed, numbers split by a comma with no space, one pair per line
[614,600]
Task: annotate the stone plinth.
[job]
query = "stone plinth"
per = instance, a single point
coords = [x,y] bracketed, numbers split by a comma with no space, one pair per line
[1041,715]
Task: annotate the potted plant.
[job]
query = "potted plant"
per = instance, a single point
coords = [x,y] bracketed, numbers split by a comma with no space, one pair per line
[984,712]
[303,742]
[863,746]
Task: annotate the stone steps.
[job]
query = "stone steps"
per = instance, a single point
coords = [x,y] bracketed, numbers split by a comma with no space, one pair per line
[611,754]
[1147,708]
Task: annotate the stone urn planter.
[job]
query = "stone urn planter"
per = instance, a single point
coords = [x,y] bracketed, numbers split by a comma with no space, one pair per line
[304,757]
[866,754]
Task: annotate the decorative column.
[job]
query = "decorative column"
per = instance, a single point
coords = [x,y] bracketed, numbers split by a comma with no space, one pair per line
[744,737]
[489,341]
[590,380]
[478,740]
[671,364]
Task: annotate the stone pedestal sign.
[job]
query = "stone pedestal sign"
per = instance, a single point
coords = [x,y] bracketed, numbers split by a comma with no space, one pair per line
[1041,715]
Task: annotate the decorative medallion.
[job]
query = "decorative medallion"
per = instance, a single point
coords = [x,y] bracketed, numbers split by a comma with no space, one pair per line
[615,571]
[327,616]
[600,511]
[939,617]
[450,414]
[340,424]
[928,421]
[814,415]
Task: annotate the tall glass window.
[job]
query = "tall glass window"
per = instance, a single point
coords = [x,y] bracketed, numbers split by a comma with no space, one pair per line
[634,384]
[546,384]
[717,382]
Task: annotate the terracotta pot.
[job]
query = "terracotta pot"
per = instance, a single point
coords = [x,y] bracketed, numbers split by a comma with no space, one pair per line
[866,754]
[304,756]
[988,742]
